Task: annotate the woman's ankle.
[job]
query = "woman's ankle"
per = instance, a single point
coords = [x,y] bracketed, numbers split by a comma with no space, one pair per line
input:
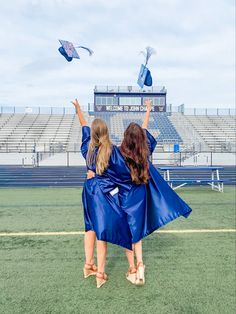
[89,262]
[101,270]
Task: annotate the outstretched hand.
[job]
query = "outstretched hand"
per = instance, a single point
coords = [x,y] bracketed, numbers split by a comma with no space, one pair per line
[148,104]
[76,103]
[79,112]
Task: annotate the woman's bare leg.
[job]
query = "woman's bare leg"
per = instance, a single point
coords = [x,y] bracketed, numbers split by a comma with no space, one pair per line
[130,257]
[138,252]
[131,274]
[140,267]
[101,255]
[89,244]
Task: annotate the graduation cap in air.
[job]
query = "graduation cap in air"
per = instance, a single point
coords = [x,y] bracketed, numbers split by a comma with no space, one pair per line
[145,77]
[68,50]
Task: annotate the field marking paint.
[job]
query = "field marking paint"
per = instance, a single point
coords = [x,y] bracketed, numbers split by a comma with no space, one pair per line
[51,233]
[197,231]
[67,233]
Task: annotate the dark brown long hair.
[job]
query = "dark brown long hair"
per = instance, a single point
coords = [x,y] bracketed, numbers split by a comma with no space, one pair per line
[135,150]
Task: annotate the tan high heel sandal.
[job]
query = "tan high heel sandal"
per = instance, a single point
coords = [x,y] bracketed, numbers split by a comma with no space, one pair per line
[101,279]
[89,270]
[131,275]
[140,281]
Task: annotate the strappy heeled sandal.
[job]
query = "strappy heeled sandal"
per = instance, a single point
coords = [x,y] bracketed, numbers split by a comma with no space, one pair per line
[101,279]
[140,280]
[89,270]
[131,275]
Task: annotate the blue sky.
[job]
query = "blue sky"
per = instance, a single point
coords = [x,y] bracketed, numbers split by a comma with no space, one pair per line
[194,42]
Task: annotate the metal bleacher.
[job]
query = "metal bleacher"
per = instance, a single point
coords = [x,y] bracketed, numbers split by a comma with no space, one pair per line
[213,132]
[15,176]
[56,139]
[25,132]
[160,125]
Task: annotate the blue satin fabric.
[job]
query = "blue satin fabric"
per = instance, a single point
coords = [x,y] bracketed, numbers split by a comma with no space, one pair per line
[103,215]
[151,206]
[137,210]
[102,211]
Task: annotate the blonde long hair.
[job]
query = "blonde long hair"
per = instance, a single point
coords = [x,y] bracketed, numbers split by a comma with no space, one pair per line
[99,140]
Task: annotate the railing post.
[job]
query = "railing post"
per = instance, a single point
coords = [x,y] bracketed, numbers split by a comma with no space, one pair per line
[211,159]
[37,159]
[68,160]
[180,159]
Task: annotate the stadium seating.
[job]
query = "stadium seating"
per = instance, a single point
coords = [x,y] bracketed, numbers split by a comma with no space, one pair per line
[212,133]
[13,176]
[26,132]
[160,126]
[74,139]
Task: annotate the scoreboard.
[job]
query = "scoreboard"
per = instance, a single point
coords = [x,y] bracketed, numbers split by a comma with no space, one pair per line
[128,102]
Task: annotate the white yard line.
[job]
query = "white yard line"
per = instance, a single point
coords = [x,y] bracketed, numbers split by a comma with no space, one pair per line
[66,233]
[197,231]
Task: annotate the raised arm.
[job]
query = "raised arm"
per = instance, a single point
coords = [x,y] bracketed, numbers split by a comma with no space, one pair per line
[148,104]
[79,113]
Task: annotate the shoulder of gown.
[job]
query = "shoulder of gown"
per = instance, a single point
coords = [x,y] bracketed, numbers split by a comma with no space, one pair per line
[151,141]
[85,140]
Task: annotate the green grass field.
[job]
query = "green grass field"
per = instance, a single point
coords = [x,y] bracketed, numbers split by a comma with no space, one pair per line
[185,272]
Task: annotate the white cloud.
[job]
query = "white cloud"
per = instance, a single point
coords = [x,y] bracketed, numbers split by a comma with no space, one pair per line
[194,41]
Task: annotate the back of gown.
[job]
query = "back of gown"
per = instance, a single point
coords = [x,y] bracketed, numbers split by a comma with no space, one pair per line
[102,212]
[139,209]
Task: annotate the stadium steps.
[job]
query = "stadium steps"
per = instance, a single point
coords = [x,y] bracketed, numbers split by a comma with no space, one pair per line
[75,134]
[4,118]
[12,176]
[28,136]
[62,132]
[217,132]
[191,138]
[159,125]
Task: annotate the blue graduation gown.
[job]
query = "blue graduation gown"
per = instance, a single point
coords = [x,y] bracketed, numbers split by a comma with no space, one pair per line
[138,210]
[150,206]
[102,212]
